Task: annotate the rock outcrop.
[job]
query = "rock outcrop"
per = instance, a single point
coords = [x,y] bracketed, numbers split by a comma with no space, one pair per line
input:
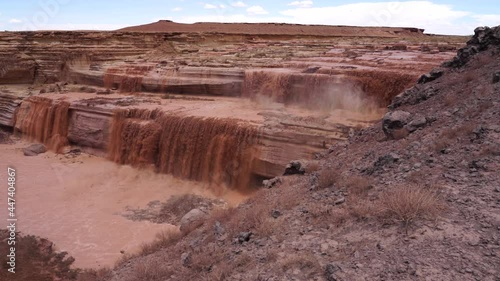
[484,38]
[8,106]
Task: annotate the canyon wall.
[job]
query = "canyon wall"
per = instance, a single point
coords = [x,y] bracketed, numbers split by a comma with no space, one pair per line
[230,105]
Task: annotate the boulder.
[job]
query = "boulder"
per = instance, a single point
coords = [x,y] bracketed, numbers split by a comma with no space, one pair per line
[244,237]
[192,219]
[294,168]
[433,75]
[272,182]
[330,272]
[34,150]
[418,121]
[394,124]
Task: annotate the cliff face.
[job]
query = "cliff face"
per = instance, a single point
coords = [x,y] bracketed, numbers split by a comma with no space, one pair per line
[42,57]
[8,106]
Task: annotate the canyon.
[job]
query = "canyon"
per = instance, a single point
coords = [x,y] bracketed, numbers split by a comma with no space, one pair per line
[150,112]
[298,91]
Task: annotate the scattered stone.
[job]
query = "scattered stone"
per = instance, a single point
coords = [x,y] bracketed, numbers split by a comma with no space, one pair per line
[418,121]
[272,182]
[478,165]
[34,150]
[330,272]
[340,201]
[496,77]
[275,214]
[497,189]
[192,219]
[294,168]
[394,124]
[433,75]
[387,159]
[186,259]
[219,229]
[244,237]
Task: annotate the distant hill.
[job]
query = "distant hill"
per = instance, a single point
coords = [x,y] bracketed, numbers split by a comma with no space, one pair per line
[275,29]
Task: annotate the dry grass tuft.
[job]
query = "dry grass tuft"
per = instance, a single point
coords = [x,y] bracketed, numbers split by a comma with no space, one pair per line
[102,274]
[455,132]
[307,263]
[151,270]
[410,203]
[327,177]
[163,239]
[312,166]
[357,185]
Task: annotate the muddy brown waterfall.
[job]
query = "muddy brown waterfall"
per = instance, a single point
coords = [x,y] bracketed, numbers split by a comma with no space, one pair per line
[44,120]
[218,152]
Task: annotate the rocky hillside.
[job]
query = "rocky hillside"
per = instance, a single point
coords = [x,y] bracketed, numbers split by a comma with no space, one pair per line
[414,197]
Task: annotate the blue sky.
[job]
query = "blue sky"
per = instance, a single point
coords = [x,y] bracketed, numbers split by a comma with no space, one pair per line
[439,16]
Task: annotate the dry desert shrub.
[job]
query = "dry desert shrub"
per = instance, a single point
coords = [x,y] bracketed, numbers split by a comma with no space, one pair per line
[312,166]
[307,263]
[151,270]
[455,132]
[361,208]
[102,274]
[163,239]
[358,185]
[470,76]
[408,204]
[449,100]
[327,177]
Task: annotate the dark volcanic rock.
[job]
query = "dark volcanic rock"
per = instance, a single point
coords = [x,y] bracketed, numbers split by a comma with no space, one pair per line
[294,168]
[484,38]
[394,124]
[433,75]
[496,77]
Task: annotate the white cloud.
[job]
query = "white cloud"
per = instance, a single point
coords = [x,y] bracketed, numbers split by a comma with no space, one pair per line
[257,10]
[212,7]
[15,21]
[209,6]
[301,4]
[177,9]
[435,18]
[239,4]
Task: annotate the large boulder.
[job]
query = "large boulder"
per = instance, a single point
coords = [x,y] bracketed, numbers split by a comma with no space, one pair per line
[34,150]
[192,220]
[294,168]
[394,124]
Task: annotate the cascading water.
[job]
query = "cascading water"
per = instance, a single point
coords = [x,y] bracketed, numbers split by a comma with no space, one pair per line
[44,120]
[215,151]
